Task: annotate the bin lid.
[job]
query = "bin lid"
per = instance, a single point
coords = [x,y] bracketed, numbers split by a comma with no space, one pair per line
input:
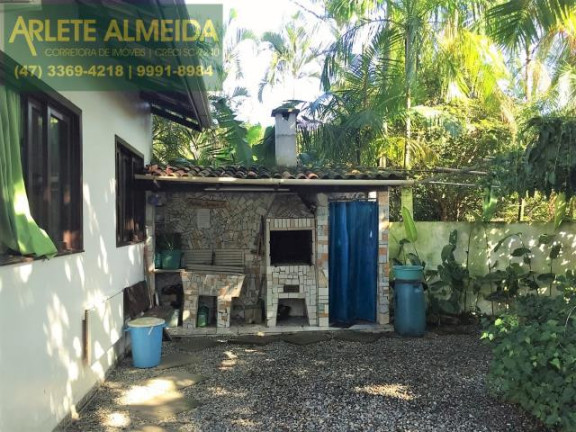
[146,322]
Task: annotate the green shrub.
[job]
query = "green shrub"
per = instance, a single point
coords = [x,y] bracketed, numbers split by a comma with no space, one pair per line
[534,358]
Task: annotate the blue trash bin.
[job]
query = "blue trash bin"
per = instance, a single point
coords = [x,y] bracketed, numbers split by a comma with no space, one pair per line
[409,303]
[146,335]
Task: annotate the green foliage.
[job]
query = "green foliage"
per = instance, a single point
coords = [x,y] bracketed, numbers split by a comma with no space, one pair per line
[560,210]
[230,141]
[448,96]
[418,57]
[168,241]
[540,34]
[409,225]
[534,358]
[508,282]
[456,136]
[232,133]
[348,123]
[517,276]
[488,205]
[448,293]
[550,157]
[407,258]
[451,284]
[566,283]
[404,257]
[547,165]
[171,141]
[265,150]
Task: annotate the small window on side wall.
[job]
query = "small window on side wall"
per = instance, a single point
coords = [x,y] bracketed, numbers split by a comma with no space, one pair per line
[130,200]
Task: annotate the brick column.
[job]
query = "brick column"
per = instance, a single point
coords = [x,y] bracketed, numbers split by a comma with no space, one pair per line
[322,259]
[191,288]
[271,282]
[383,269]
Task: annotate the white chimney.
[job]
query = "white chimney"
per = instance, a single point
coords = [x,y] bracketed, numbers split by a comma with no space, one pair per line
[285,136]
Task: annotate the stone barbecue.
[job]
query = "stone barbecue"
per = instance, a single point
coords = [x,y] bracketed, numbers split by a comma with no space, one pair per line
[283,241]
[290,229]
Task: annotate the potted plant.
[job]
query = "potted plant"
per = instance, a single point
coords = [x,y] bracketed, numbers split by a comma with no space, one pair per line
[170,247]
[408,265]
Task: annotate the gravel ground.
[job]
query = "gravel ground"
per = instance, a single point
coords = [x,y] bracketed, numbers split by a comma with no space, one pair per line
[436,383]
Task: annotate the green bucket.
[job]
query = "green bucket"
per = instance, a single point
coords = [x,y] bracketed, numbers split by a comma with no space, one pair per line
[171,259]
[408,272]
[203,314]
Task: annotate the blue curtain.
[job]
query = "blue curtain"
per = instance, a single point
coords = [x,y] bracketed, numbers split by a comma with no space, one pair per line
[353,261]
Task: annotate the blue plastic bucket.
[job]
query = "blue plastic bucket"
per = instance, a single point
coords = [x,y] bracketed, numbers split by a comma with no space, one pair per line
[146,335]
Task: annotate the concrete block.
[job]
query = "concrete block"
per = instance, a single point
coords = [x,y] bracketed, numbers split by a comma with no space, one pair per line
[383,318]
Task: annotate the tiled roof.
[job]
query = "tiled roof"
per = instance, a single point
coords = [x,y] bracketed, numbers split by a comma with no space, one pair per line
[259,172]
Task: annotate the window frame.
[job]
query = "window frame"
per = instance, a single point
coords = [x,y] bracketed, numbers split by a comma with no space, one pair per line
[55,105]
[137,198]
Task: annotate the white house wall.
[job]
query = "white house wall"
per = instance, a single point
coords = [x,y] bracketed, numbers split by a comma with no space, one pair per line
[42,303]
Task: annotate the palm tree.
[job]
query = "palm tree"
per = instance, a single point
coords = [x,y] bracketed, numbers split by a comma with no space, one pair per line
[396,30]
[294,60]
[349,121]
[229,140]
[543,34]
[425,54]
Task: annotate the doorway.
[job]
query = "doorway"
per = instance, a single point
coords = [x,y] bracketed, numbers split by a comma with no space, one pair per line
[353,255]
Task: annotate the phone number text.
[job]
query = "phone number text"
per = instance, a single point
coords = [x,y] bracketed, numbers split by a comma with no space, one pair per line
[112,71]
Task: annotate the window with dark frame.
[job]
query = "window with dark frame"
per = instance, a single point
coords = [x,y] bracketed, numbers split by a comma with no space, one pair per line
[130,200]
[52,166]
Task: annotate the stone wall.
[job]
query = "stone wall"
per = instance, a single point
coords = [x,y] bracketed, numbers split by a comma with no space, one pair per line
[220,221]
[236,221]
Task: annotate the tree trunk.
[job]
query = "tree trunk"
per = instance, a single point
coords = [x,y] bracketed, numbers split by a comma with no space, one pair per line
[410,70]
[527,88]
